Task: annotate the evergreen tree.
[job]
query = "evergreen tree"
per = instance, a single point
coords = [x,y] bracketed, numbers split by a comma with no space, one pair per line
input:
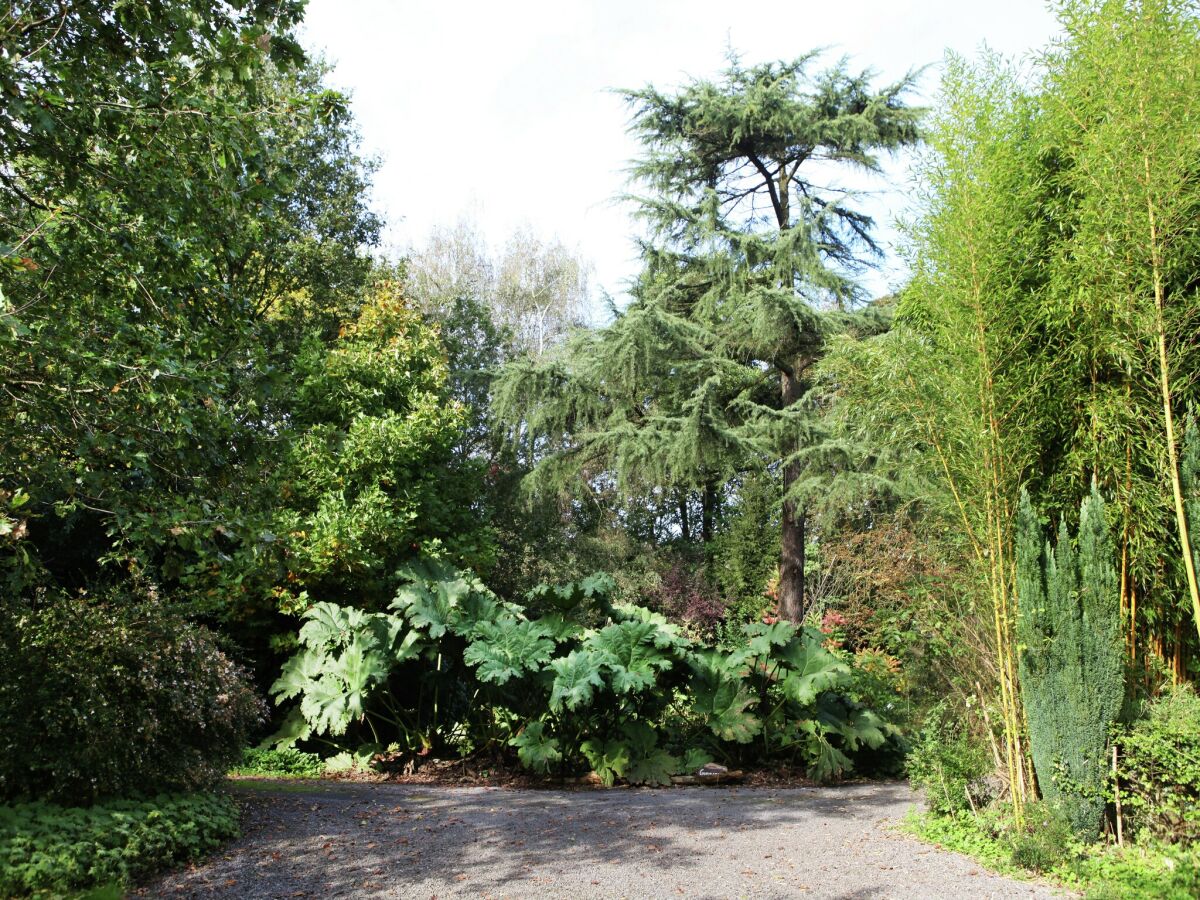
[703,376]
[1071,659]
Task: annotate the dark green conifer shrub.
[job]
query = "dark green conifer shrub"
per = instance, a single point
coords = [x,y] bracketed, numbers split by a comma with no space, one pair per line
[1071,657]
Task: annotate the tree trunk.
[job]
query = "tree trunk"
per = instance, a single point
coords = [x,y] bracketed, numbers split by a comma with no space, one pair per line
[791,555]
[684,525]
[707,511]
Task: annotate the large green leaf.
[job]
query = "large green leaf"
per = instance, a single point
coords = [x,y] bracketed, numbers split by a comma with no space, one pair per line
[765,638]
[648,763]
[298,673]
[656,767]
[360,670]
[722,699]
[294,728]
[608,758]
[508,649]
[559,627]
[324,705]
[330,625]
[667,634]
[536,751]
[853,722]
[591,592]
[425,608]
[825,761]
[409,647]
[438,598]
[629,651]
[576,676]
[811,670]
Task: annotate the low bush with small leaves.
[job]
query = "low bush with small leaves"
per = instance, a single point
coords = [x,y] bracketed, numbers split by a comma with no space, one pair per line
[1045,846]
[112,699]
[50,850]
[1044,839]
[1145,872]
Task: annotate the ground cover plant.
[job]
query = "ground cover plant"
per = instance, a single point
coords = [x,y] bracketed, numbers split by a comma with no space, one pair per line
[286,763]
[50,850]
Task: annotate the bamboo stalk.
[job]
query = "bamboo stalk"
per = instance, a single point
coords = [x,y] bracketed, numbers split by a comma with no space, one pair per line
[1168,413]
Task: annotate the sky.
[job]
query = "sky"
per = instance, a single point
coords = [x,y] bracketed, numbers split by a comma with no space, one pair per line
[503,111]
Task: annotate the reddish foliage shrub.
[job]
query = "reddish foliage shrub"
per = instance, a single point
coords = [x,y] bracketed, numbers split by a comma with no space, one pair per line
[102,700]
[685,595]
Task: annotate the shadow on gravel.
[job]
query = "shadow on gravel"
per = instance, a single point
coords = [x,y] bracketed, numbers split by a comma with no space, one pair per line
[346,839]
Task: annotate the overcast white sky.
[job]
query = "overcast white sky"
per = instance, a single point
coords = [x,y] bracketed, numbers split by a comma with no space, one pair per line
[501,110]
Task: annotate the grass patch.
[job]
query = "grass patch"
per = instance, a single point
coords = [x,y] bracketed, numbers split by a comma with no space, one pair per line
[51,850]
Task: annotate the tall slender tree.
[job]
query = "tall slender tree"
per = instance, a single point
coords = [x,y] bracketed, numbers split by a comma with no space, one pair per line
[752,259]
[739,179]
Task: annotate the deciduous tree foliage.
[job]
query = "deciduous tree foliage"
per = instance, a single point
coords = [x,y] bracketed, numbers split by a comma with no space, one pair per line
[212,397]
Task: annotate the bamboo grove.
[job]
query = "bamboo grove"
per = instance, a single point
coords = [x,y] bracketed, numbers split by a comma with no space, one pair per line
[1047,338]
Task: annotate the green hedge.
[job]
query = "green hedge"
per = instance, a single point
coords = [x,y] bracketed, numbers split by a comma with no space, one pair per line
[46,848]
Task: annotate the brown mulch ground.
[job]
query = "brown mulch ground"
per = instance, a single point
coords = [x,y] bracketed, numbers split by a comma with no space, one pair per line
[498,773]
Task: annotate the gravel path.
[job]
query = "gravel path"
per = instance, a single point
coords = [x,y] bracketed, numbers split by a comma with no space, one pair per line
[338,839]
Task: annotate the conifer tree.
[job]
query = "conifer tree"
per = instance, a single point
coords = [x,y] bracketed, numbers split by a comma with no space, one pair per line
[1072,657]
[751,262]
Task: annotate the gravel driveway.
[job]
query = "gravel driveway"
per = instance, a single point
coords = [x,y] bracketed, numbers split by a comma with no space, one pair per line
[338,839]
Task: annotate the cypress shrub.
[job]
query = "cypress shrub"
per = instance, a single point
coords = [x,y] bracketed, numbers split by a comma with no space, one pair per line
[1071,657]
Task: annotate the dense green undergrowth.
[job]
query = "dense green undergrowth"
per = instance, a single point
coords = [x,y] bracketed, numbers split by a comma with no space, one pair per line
[1157,781]
[50,850]
[571,681]
[1153,871]
[285,763]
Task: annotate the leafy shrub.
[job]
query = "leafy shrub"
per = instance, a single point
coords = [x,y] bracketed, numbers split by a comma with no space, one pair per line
[629,696]
[1044,840]
[109,699]
[1159,768]
[684,594]
[284,763]
[55,849]
[945,762]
